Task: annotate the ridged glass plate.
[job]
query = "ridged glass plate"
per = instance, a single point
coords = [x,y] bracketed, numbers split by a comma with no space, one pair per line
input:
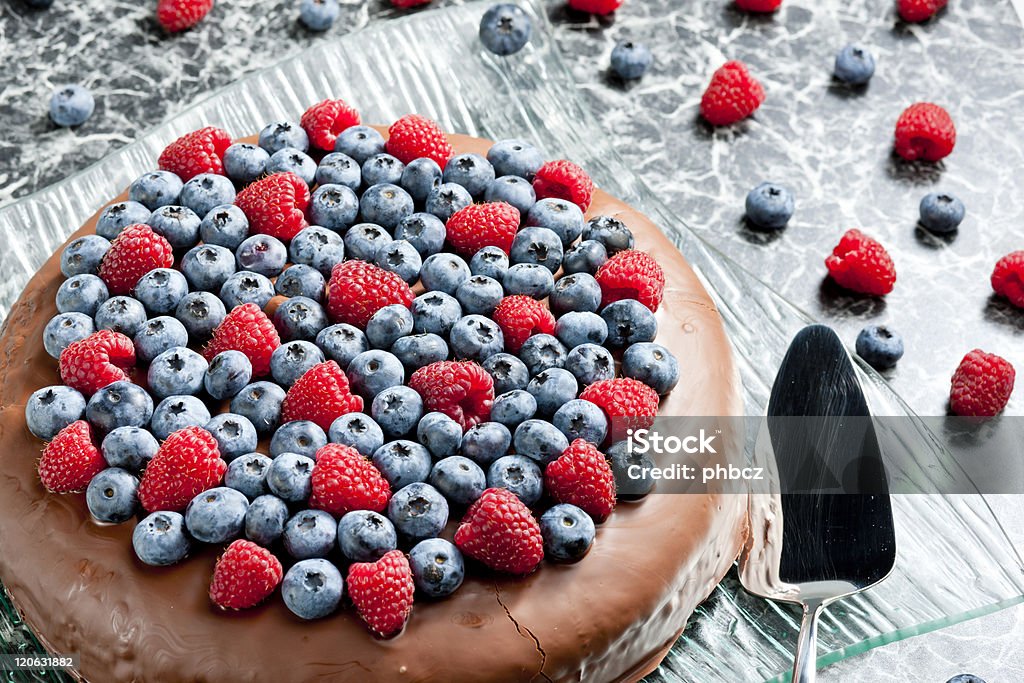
[954,560]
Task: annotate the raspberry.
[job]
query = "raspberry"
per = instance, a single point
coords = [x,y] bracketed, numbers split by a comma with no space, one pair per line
[500,532]
[1008,278]
[981,385]
[71,460]
[187,464]
[925,131]
[582,477]
[564,180]
[628,403]
[632,274]
[201,151]
[343,481]
[275,205]
[132,254]
[247,329]
[596,6]
[462,390]
[732,95]
[477,226]
[244,576]
[322,122]
[358,289]
[406,4]
[861,264]
[100,359]
[321,395]
[414,136]
[918,10]
[520,317]
[758,5]
[382,592]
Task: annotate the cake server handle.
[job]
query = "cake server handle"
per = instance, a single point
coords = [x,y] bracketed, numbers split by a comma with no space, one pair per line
[805,667]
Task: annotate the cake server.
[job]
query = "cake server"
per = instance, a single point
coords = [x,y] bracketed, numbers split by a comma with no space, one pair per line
[830,529]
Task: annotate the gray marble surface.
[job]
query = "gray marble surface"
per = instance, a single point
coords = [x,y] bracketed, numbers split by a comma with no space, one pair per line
[830,144]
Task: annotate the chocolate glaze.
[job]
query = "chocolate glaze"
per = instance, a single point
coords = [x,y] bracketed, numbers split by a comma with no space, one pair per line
[612,617]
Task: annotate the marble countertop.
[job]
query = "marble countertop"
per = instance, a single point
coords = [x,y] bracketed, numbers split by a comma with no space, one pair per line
[830,144]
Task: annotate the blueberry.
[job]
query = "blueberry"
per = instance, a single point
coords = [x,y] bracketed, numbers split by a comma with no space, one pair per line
[435,312]
[552,388]
[301,436]
[261,403]
[317,247]
[770,206]
[225,226]
[246,287]
[51,409]
[335,207]
[513,190]
[248,474]
[245,163]
[540,352]
[489,262]
[155,189]
[879,346]
[477,338]
[228,373]
[631,60]
[301,280]
[485,442]
[177,412]
[300,318]
[177,370]
[365,536]
[387,325]
[160,539]
[418,350]
[205,192]
[318,15]
[359,431]
[424,231]
[402,462]
[207,267]
[629,322]
[339,169]
[585,257]
[590,363]
[179,225]
[505,29]
[419,177]
[568,533]
[579,419]
[119,404]
[64,329]
[580,327]
[941,213]
[290,477]
[471,171]
[518,474]
[161,290]
[479,294]
[652,364]
[386,205]
[71,105]
[401,258]
[129,448]
[83,255]
[575,292]
[418,511]
[459,479]
[530,279]
[629,468]
[291,360]
[235,435]
[216,515]
[363,240]
[371,372]
[539,440]
[310,533]
[281,134]
[341,343]
[312,588]
[360,143]
[111,497]
[397,410]
[117,217]
[965,678]
[437,567]
[513,407]
[81,294]
[507,371]
[265,519]
[121,314]
[515,158]
[262,254]
[444,273]
[200,313]
[447,198]
[854,65]
[609,231]
[293,160]
[440,434]
[382,168]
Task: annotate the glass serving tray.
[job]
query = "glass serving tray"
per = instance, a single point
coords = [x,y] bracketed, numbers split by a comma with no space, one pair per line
[398,67]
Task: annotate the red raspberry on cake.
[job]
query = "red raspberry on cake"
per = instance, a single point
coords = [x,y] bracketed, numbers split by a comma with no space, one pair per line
[596,6]
[325,120]
[343,481]
[71,460]
[201,151]
[628,403]
[758,5]
[981,385]
[918,10]
[476,226]
[247,329]
[382,592]
[732,95]
[275,205]
[100,359]
[563,179]
[1008,278]
[925,131]
[321,395]
[358,289]
[520,317]
[132,254]
[632,274]
[186,464]
[414,136]
[581,476]
[861,264]
[462,390]
[500,532]
[244,576]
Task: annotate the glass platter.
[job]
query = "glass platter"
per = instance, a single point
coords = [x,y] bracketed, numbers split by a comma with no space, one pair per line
[383,72]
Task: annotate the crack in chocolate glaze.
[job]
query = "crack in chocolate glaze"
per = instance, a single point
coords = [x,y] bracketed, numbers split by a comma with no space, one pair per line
[519,629]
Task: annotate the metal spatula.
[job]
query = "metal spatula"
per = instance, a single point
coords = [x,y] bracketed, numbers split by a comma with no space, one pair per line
[832,502]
